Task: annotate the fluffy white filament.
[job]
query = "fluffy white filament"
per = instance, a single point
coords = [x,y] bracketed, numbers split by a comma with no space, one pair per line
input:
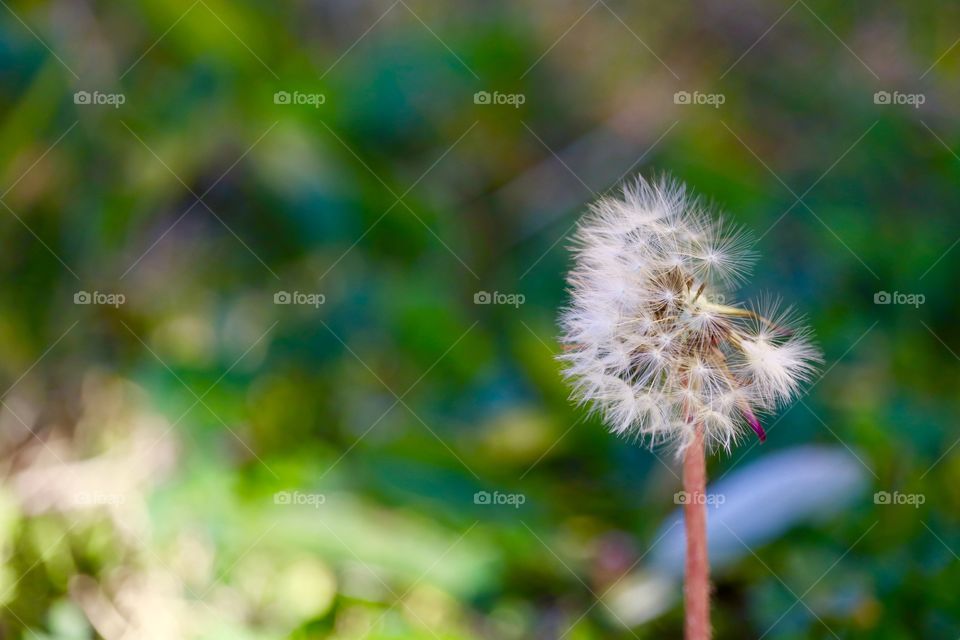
[650,339]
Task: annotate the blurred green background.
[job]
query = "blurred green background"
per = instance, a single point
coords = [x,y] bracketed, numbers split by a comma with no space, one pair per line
[187,456]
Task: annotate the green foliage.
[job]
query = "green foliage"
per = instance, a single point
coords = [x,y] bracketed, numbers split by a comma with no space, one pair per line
[202,462]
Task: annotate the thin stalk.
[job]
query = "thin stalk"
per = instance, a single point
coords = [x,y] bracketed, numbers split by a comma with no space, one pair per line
[697,583]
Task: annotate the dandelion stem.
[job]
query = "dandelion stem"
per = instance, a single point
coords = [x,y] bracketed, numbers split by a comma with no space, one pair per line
[697,583]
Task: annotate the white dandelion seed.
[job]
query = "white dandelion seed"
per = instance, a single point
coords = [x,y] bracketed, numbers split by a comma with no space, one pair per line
[650,340]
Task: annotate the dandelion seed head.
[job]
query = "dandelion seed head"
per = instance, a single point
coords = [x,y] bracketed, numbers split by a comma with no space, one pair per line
[650,342]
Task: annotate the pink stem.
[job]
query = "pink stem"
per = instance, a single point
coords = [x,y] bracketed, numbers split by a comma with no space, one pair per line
[697,584]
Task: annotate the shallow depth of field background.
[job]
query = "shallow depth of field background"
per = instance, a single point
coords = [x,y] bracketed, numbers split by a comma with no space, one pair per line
[200,461]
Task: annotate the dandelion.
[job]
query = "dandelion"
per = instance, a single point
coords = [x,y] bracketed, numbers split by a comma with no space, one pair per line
[649,337]
[652,343]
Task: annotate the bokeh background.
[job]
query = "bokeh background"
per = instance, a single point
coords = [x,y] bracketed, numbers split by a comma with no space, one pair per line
[186,456]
